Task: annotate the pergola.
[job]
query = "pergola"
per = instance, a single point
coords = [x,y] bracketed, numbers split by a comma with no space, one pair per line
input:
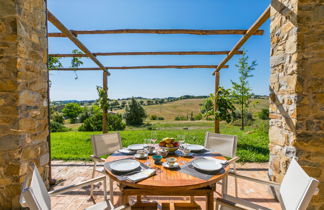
[73,34]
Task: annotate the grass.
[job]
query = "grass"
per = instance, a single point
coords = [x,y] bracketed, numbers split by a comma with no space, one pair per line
[252,144]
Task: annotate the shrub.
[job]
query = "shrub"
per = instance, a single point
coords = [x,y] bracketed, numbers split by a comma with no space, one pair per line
[154,117]
[264,114]
[57,117]
[248,118]
[58,127]
[94,123]
[180,118]
[160,118]
[198,117]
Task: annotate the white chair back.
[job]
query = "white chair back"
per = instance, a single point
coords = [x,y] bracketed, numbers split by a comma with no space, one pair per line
[297,188]
[35,196]
[105,144]
[224,144]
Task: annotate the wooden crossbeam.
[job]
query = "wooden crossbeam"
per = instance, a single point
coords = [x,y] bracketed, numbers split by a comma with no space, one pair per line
[257,24]
[149,53]
[73,38]
[159,31]
[141,67]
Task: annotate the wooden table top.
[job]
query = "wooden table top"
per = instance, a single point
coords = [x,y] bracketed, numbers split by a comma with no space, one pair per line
[166,178]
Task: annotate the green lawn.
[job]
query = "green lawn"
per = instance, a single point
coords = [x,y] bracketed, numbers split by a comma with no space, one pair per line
[252,144]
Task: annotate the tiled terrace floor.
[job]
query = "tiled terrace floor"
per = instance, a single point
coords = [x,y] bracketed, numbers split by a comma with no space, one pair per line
[77,171]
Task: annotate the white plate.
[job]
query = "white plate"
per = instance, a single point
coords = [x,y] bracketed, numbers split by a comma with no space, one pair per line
[195,147]
[124,165]
[126,151]
[166,164]
[207,164]
[136,146]
[140,157]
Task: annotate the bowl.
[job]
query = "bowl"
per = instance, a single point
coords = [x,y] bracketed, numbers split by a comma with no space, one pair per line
[157,158]
[170,149]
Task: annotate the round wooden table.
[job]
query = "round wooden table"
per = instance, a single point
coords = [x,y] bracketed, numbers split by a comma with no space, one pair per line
[169,182]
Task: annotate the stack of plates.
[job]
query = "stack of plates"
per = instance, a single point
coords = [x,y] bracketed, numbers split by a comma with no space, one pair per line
[126,151]
[124,165]
[207,164]
[195,147]
[136,147]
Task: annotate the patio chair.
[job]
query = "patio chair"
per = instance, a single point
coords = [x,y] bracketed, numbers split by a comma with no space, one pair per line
[104,144]
[295,191]
[35,196]
[225,145]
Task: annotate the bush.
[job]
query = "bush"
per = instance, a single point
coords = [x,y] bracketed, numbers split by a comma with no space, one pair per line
[94,123]
[248,118]
[181,118]
[153,117]
[58,127]
[264,114]
[198,117]
[57,117]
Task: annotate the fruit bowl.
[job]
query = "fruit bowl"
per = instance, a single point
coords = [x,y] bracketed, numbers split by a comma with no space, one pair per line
[169,144]
[170,149]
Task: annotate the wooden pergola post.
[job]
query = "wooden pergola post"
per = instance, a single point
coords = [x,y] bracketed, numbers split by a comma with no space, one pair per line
[216,121]
[105,108]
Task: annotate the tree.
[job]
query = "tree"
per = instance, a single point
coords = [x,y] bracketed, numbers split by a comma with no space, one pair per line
[241,90]
[72,111]
[224,104]
[134,113]
[94,123]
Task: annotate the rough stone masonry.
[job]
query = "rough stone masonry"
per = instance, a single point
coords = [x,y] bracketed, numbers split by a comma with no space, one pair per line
[297,89]
[23,95]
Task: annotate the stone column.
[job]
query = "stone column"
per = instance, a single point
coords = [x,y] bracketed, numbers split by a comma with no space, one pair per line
[297,89]
[23,95]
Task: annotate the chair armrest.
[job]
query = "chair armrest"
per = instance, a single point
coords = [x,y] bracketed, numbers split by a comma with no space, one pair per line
[96,158]
[228,204]
[76,186]
[269,183]
[233,160]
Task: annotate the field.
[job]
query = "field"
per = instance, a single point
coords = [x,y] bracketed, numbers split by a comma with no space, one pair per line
[252,144]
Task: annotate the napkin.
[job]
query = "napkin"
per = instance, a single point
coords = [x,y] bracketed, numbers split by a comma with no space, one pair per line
[217,160]
[141,175]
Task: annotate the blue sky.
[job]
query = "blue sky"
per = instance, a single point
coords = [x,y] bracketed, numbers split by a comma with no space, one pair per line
[153,14]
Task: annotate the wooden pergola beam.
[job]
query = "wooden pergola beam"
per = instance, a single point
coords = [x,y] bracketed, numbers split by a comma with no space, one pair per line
[149,53]
[159,31]
[141,67]
[73,38]
[257,24]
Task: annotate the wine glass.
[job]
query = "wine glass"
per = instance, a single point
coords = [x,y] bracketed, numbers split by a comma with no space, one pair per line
[153,138]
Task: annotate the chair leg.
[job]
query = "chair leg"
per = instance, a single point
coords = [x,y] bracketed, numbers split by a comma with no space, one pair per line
[224,186]
[111,190]
[235,180]
[93,175]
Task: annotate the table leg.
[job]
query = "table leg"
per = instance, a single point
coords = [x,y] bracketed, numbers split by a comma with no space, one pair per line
[123,199]
[210,201]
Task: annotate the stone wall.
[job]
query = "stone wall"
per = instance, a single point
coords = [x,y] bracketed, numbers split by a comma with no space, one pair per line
[23,95]
[297,89]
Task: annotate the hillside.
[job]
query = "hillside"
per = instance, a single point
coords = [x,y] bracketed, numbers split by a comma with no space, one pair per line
[184,107]
[177,108]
